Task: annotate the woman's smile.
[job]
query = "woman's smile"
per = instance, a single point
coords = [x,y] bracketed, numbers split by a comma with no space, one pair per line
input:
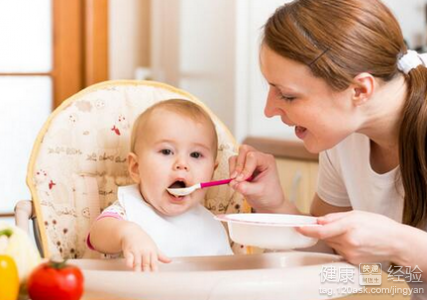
[301,132]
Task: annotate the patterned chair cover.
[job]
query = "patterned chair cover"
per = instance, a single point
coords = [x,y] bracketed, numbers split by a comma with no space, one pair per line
[79,160]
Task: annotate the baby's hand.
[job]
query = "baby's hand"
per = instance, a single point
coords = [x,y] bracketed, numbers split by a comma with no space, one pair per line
[140,251]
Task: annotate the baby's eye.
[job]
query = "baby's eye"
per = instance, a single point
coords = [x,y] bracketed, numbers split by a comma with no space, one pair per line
[196,154]
[166,151]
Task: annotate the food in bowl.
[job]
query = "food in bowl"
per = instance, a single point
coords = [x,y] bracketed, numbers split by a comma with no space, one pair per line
[269,231]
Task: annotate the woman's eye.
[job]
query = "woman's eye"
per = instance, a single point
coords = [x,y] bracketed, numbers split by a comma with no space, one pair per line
[166,151]
[196,155]
[287,98]
[284,96]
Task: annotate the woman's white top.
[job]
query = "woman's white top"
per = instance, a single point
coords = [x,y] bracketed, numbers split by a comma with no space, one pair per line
[347,179]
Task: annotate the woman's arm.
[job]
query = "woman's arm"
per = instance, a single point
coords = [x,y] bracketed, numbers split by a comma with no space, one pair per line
[411,249]
[364,237]
[321,208]
[264,193]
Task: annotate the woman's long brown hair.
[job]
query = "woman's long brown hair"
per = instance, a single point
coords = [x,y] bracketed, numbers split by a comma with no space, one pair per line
[338,39]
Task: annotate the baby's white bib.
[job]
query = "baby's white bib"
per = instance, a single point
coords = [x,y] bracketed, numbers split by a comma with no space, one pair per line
[193,233]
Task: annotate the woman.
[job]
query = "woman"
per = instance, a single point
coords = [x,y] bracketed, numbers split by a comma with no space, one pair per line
[340,73]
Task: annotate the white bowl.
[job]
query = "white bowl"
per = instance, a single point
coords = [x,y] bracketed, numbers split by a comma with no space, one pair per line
[269,231]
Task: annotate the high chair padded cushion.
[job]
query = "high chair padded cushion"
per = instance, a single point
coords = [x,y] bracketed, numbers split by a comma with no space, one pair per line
[79,160]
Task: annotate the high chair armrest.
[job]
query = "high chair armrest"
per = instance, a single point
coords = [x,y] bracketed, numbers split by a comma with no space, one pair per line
[24,211]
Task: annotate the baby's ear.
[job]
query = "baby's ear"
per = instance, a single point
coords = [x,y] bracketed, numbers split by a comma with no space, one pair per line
[216,164]
[133,167]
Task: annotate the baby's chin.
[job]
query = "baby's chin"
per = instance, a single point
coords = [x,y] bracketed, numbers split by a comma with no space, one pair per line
[175,209]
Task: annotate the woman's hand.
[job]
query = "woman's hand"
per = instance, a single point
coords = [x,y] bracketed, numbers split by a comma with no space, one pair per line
[360,237]
[140,251]
[264,192]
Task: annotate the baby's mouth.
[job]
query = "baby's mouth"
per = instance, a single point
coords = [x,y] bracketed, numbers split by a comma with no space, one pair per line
[177,185]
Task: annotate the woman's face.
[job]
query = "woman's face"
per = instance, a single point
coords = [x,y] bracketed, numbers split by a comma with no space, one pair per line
[321,117]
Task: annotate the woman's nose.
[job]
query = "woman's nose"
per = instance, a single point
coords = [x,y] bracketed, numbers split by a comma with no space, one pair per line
[270,109]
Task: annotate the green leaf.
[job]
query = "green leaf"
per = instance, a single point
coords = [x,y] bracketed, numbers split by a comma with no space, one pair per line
[58,264]
[7,232]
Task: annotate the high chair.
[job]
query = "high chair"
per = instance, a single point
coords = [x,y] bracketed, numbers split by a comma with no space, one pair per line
[77,164]
[79,160]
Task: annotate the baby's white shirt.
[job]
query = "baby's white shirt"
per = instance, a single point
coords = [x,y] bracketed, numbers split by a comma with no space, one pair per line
[193,233]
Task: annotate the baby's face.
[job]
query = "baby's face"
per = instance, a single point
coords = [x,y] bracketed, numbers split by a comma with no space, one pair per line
[174,151]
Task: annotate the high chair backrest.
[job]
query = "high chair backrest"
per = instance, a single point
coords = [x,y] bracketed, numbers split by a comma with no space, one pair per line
[79,160]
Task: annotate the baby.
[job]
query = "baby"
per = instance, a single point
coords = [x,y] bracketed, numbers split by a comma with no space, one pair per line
[173,144]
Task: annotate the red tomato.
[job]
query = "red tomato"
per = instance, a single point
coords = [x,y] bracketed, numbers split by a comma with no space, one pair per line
[55,281]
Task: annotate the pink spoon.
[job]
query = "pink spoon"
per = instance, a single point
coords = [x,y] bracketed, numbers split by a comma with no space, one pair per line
[190,189]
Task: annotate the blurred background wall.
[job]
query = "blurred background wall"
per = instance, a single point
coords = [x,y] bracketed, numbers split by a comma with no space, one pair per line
[210,48]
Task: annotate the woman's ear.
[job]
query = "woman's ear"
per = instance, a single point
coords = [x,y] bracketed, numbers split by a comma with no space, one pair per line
[363,89]
[133,167]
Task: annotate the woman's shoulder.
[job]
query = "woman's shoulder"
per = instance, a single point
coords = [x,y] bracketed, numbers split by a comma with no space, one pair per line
[423,57]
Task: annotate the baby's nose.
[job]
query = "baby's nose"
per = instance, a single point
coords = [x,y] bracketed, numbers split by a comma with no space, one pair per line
[181,165]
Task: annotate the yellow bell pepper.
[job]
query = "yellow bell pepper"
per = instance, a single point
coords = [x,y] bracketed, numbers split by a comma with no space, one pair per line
[9,278]
[16,243]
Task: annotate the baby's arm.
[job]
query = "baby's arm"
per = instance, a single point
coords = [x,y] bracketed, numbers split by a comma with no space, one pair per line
[112,235]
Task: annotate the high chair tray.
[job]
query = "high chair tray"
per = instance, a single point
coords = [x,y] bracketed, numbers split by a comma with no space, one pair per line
[283,275]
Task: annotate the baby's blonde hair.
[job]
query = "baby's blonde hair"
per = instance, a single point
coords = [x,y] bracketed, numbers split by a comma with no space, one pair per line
[179,106]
